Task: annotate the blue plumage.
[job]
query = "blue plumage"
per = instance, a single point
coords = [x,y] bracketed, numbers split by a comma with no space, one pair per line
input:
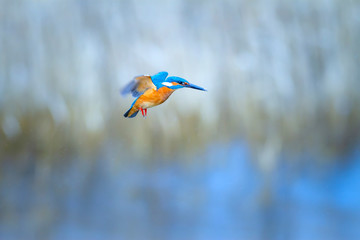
[158,78]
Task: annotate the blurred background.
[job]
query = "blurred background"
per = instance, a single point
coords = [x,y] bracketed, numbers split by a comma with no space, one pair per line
[271,151]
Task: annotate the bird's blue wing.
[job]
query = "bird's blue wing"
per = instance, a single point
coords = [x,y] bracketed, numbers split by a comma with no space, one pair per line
[142,83]
[138,86]
[158,78]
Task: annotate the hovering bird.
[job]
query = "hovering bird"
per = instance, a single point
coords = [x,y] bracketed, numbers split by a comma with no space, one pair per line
[151,91]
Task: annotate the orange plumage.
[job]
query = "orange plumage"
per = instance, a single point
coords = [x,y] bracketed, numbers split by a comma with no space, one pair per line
[151,98]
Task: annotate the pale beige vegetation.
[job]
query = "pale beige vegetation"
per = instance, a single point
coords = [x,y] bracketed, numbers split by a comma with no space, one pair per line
[283,76]
[283,80]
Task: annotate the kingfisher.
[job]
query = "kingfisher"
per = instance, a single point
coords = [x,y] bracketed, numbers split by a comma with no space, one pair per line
[151,91]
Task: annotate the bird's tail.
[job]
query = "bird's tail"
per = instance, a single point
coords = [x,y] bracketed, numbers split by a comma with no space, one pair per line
[132,112]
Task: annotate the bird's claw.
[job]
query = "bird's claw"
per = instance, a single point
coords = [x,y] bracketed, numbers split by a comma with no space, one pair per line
[144,112]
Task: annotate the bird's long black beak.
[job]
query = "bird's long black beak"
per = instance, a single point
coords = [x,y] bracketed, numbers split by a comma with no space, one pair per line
[195,87]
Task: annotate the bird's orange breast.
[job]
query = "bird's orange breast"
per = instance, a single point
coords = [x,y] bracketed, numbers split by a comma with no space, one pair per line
[152,97]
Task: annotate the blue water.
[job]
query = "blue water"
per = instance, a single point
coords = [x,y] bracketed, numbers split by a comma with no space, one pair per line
[219,194]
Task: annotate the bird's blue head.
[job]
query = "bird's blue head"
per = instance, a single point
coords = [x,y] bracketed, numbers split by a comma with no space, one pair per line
[178,82]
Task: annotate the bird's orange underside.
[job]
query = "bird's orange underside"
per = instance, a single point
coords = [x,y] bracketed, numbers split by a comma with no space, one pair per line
[151,98]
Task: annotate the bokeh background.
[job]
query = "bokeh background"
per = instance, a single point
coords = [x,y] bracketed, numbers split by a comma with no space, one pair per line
[271,151]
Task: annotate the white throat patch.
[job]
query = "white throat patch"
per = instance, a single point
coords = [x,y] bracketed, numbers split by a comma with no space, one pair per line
[167,84]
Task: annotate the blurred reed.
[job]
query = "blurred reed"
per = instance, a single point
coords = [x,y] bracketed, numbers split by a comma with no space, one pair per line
[283,79]
[282,75]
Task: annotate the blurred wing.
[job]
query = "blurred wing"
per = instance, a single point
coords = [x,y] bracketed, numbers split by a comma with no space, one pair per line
[138,86]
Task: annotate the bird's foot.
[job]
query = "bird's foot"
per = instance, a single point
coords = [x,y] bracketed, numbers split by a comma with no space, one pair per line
[144,112]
